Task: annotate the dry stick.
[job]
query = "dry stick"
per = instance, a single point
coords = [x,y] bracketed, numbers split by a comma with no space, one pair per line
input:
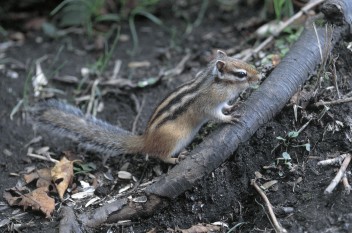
[304,126]
[92,97]
[287,23]
[340,101]
[46,158]
[277,225]
[335,77]
[178,69]
[338,159]
[117,68]
[140,108]
[346,184]
[339,175]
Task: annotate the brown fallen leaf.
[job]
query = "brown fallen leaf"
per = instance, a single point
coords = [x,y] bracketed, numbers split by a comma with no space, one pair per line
[37,199]
[43,177]
[200,228]
[62,175]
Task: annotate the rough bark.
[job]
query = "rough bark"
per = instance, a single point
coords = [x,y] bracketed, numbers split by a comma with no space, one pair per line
[338,12]
[262,106]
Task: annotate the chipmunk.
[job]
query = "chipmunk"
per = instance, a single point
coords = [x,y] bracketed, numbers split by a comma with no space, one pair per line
[174,123]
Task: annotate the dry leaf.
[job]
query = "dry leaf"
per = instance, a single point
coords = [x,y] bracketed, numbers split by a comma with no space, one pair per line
[268,184]
[201,228]
[37,200]
[62,175]
[43,176]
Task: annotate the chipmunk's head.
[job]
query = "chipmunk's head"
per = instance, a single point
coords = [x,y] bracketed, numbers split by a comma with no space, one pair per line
[233,71]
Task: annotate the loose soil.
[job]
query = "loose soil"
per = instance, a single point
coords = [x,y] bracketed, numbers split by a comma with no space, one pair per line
[226,194]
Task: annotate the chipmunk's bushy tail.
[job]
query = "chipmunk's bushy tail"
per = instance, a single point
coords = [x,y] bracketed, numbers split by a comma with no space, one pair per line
[92,134]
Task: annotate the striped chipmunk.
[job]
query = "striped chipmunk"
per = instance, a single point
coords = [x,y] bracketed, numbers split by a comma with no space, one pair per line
[174,123]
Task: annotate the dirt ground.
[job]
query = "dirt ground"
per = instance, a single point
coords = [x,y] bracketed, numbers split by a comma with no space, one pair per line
[225,195]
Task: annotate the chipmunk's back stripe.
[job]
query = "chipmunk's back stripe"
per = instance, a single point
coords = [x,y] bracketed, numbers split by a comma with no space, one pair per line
[176,97]
[175,110]
[178,112]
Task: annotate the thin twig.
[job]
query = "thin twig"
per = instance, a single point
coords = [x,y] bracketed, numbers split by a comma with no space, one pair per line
[304,10]
[319,44]
[46,158]
[117,68]
[139,112]
[346,184]
[334,73]
[178,69]
[285,24]
[304,126]
[92,97]
[260,47]
[277,225]
[333,102]
[335,160]
[348,94]
[339,175]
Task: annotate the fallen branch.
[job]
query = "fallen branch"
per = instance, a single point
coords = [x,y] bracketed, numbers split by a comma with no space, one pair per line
[336,160]
[277,225]
[139,108]
[42,157]
[346,184]
[262,105]
[339,175]
[340,101]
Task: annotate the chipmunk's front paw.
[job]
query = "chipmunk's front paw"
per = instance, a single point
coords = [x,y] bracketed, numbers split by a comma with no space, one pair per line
[235,118]
[228,109]
[183,155]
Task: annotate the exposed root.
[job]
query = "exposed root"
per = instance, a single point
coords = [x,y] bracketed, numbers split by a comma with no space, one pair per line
[277,225]
[346,184]
[45,158]
[332,161]
[139,109]
[340,101]
[339,175]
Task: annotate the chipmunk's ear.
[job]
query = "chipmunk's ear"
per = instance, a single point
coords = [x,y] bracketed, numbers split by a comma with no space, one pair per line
[219,68]
[221,54]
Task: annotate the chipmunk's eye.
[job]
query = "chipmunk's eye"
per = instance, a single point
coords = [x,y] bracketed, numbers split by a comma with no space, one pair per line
[240,74]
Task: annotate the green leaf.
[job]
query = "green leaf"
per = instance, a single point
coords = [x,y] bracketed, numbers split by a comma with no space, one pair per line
[307,146]
[149,16]
[280,138]
[107,18]
[286,156]
[293,134]
[84,168]
[147,82]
